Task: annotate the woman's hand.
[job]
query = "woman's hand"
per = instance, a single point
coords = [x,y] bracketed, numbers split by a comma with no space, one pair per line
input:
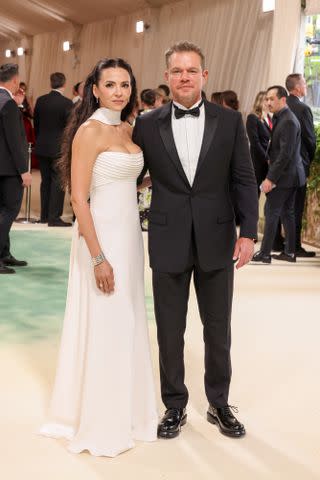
[104,277]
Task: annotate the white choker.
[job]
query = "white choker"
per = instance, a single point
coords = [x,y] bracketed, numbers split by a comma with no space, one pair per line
[107,116]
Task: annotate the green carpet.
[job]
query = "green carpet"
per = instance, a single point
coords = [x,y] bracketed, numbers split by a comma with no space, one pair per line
[32,301]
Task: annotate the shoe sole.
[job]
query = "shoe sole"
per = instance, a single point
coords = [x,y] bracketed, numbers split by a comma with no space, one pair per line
[284,260]
[266,262]
[213,421]
[170,435]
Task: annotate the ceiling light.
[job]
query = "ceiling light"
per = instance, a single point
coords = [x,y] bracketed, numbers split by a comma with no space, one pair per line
[268,5]
[20,51]
[66,46]
[8,53]
[140,26]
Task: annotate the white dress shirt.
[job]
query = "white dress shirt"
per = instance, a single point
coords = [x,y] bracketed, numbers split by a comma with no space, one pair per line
[188,134]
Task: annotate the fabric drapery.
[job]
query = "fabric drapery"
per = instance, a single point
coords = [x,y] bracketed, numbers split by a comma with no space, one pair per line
[235,37]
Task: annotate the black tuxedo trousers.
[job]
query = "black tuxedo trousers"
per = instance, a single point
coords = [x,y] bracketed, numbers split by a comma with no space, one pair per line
[214,292]
[51,193]
[11,192]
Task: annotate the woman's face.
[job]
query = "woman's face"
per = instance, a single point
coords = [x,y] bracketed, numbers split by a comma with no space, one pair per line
[113,89]
[265,107]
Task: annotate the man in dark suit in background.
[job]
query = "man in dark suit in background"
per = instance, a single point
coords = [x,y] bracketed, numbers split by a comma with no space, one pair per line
[50,117]
[297,88]
[194,150]
[14,173]
[285,175]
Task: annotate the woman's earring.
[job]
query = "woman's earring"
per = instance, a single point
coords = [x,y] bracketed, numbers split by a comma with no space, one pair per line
[97,99]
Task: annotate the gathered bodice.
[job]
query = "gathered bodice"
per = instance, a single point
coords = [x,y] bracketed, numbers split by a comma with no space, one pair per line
[113,167]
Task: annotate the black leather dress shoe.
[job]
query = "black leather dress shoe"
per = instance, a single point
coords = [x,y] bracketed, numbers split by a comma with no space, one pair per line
[5,270]
[171,422]
[226,421]
[261,257]
[13,262]
[59,223]
[286,257]
[301,252]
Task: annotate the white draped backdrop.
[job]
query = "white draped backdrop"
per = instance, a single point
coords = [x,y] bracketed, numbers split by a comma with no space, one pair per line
[246,50]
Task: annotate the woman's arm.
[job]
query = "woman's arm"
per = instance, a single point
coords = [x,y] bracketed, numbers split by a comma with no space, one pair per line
[85,150]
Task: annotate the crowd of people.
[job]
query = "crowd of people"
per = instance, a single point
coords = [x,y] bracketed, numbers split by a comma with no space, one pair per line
[274,164]
[202,175]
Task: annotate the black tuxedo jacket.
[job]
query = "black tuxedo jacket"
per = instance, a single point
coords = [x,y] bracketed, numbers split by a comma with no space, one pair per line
[286,168]
[179,211]
[13,142]
[308,137]
[50,118]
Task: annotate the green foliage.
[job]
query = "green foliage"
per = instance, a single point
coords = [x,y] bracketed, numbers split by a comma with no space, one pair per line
[314,178]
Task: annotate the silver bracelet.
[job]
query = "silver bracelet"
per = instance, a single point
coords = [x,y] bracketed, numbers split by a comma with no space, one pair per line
[98,259]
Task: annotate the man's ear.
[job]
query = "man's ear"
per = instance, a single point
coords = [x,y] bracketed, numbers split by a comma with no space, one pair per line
[166,75]
[205,74]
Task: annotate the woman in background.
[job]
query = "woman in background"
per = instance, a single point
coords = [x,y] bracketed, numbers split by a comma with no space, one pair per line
[258,130]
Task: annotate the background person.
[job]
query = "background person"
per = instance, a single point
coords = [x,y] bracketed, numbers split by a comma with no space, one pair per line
[297,88]
[259,135]
[14,173]
[50,118]
[285,174]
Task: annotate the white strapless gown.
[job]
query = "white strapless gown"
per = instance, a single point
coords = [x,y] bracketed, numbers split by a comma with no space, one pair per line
[104,395]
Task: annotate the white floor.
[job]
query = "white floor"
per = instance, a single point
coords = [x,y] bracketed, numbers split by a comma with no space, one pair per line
[276,335]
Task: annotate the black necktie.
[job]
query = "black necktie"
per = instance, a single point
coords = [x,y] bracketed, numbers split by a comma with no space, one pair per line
[179,113]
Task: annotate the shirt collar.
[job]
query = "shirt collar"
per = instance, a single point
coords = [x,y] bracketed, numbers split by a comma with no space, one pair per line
[10,93]
[278,114]
[56,90]
[185,108]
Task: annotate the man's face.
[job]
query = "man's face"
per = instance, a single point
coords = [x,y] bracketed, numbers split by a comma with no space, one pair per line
[186,77]
[302,87]
[274,103]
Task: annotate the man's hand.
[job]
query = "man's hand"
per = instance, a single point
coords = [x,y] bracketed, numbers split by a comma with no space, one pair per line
[19,98]
[266,186]
[26,179]
[243,251]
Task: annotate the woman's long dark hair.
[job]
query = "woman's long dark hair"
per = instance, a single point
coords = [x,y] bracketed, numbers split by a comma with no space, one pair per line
[84,109]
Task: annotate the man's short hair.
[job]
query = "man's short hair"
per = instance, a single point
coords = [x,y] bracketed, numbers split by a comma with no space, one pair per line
[292,80]
[8,71]
[184,47]
[57,80]
[281,91]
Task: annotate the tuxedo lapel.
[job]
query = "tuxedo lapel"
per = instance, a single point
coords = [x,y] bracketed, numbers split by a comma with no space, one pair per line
[166,134]
[210,127]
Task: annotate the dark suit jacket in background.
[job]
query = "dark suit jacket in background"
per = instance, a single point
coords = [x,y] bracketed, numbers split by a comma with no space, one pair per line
[308,137]
[177,209]
[50,118]
[13,142]
[259,136]
[286,169]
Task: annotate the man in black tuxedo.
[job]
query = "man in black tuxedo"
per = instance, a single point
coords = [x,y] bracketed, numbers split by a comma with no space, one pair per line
[50,118]
[14,173]
[194,151]
[285,175]
[297,88]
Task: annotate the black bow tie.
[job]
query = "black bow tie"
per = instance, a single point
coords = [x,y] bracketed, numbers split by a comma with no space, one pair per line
[179,113]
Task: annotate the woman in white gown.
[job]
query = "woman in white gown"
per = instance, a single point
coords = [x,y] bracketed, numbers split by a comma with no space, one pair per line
[104,397]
